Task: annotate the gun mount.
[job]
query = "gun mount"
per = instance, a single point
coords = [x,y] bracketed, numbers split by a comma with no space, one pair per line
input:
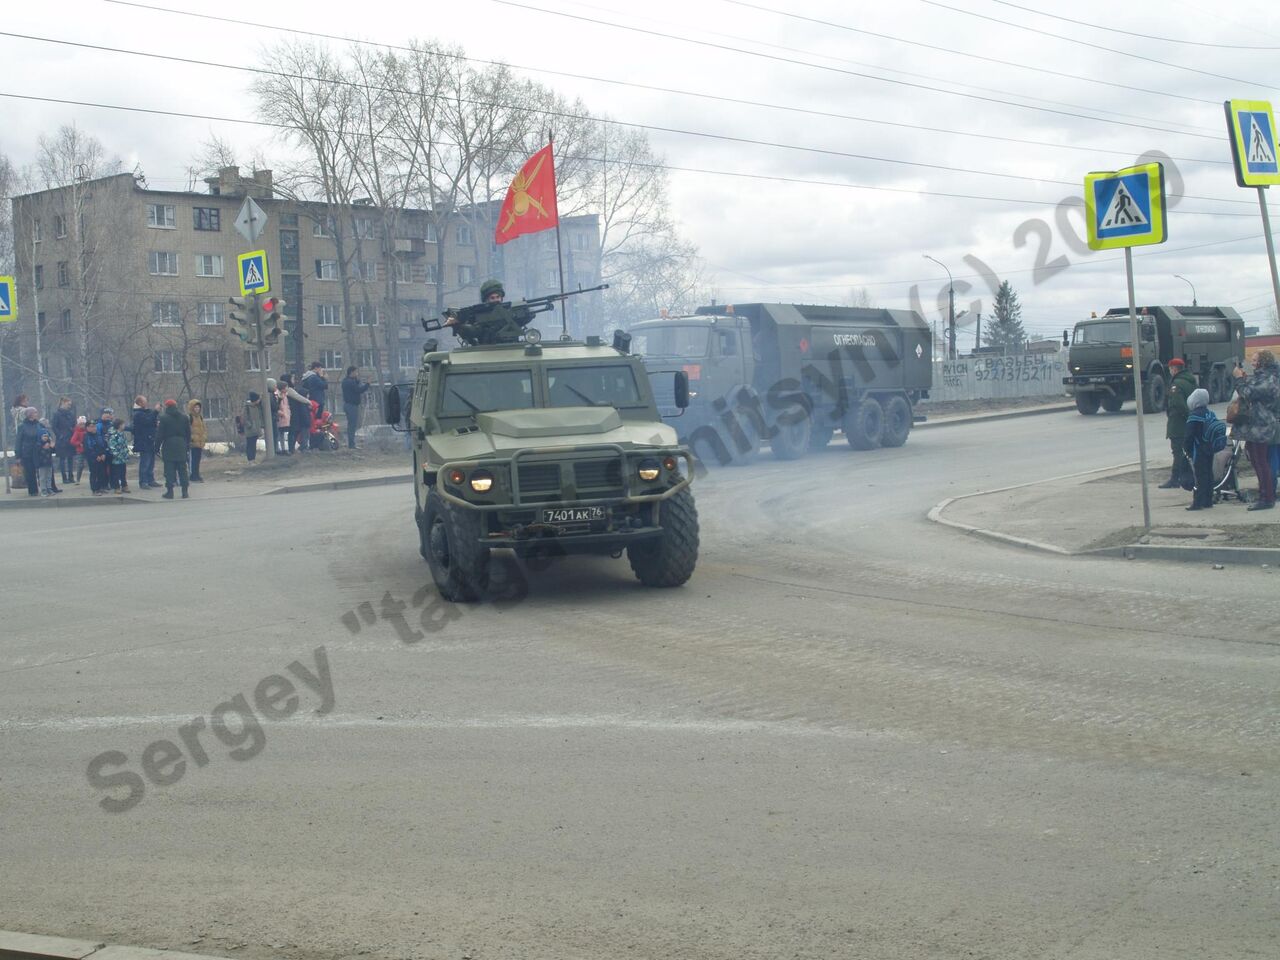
[493,323]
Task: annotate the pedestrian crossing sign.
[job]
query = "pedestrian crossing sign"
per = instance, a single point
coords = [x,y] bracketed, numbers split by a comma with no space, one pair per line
[1252,128]
[1126,208]
[253,273]
[8,301]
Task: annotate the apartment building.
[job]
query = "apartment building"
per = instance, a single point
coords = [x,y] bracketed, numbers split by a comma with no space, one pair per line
[124,289]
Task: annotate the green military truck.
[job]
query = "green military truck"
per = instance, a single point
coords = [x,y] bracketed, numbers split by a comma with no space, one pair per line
[547,449]
[789,374]
[1100,363]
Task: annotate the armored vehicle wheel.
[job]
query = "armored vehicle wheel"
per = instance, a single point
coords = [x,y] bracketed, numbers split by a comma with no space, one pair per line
[1087,403]
[1155,394]
[791,441]
[1112,404]
[864,425]
[897,421]
[451,544]
[668,561]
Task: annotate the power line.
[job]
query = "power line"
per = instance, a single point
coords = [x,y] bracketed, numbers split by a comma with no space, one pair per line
[769,178]
[1093,46]
[788,108]
[1131,33]
[962,53]
[849,73]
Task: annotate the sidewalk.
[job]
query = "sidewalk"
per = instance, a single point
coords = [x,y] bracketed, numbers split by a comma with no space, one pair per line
[1101,512]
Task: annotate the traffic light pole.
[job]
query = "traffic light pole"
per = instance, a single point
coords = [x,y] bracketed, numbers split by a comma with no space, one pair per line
[264,397]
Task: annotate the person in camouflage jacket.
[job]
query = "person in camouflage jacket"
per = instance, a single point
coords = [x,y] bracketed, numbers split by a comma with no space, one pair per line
[1257,423]
[118,447]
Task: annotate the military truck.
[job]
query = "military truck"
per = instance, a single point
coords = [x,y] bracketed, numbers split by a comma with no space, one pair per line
[550,449]
[791,374]
[1101,362]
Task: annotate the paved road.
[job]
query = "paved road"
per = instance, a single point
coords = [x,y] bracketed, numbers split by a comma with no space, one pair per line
[854,734]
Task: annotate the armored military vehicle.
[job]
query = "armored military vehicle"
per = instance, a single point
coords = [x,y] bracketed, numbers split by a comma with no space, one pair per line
[1101,362]
[545,448]
[791,374]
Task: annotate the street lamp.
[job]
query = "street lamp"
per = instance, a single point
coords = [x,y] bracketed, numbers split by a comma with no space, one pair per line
[1178,276]
[951,311]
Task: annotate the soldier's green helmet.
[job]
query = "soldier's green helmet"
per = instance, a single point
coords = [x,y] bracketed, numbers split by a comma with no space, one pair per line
[491,286]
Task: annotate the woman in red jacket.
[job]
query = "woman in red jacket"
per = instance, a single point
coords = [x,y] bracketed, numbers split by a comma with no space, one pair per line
[77,444]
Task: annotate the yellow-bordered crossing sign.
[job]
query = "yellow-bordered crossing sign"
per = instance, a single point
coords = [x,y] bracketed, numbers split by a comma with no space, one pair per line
[253,273]
[1252,128]
[1126,208]
[8,300]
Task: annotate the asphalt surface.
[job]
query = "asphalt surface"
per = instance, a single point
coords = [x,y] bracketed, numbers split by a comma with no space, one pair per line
[853,734]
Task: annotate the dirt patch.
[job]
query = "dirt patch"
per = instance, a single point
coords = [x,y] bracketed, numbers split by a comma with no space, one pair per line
[1237,535]
[302,466]
[948,407]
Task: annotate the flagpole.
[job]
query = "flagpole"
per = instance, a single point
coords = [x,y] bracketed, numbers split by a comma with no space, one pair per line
[564,315]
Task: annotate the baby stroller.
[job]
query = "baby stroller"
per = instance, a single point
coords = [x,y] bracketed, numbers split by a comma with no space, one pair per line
[1226,484]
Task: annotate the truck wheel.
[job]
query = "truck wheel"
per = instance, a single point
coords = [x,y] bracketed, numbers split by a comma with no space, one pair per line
[1112,403]
[743,458]
[864,425]
[459,564]
[1155,394]
[897,421]
[791,441]
[1087,403]
[668,561]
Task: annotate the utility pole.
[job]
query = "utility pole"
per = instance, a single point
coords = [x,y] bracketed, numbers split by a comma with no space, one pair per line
[951,309]
[250,223]
[1178,276]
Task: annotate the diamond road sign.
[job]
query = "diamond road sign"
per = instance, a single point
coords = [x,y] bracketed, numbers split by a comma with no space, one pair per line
[251,220]
[1252,128]
[253,273]
[8,300]
[1126,208]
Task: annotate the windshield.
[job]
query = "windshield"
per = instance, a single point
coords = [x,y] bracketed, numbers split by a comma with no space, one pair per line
[674,340]
[611,385]
[466,394]
[1114,331]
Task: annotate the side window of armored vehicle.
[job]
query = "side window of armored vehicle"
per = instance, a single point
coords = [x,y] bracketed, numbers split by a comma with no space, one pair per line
[728,341]
[466,394]
[606,385]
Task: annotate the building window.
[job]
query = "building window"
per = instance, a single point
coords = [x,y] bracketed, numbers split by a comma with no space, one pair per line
[404,271]
[62,274]
[429,232]
[288,219]
[323,227]
[39,276]
[331,359]
[59,226]
[162,263]
[40,320]
[213,361]
[466,274]
[366,315]
[368,270]
[408,358]
[289,257]
[364,228]
[206,218]
[208,264]
[251,360]
[365,358]
[552,280]
[166,314]
[326,269]
[580,241]
[432,271]
[462,235]
[215,408]
[161,215]
[327,315]
[66,321]
[166,361]
[210,313]
[37,232]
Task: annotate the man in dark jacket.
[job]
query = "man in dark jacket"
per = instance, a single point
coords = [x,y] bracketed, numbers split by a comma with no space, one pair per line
[315,386]
[173,438]
[1184,382]
[352,391]
[26,445]
[144,425]
[63,424]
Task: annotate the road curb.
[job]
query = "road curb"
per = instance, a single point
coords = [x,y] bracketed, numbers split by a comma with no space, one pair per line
[382,481]
[42,503]
[999,415]
[28,946]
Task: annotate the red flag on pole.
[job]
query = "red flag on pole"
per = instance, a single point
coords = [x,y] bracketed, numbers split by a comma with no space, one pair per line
[531,199]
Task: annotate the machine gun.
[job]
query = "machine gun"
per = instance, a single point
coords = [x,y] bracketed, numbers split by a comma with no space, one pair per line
[490,323]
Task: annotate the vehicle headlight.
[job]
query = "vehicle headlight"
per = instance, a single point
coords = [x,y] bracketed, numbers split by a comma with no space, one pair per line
[1128,366]
[649,469]
[481,481]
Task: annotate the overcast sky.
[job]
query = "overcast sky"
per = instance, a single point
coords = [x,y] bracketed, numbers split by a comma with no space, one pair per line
[798,226]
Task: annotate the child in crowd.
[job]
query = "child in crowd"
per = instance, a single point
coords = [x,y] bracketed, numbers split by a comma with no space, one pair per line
[99,457]
[77,444]
[118,446]
[44,460]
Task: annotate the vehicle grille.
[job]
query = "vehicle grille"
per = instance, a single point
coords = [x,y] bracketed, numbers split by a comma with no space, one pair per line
[598,477]
[539,481]
[1098,369]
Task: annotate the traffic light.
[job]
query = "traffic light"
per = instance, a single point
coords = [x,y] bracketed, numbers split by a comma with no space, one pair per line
[242,322]
[273,320]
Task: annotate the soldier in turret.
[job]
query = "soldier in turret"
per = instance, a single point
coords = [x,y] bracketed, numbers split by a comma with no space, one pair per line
[490,321]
